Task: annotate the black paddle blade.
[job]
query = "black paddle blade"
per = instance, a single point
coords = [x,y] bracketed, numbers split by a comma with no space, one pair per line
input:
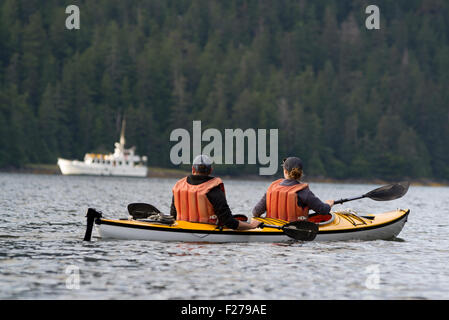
[301,230]
[142,210]
[389,192]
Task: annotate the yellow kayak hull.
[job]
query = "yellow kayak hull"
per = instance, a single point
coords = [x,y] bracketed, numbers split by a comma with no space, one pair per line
[344,226]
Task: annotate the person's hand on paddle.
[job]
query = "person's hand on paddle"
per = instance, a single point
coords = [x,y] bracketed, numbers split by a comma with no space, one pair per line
[255,223]
[249,225]
[330,202]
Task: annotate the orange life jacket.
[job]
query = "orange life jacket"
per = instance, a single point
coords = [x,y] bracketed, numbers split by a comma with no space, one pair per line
[282,202]
[191,202]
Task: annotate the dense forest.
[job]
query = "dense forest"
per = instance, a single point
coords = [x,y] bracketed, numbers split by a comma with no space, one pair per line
[351,102]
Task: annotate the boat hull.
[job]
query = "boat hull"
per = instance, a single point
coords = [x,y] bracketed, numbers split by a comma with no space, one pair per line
[344,227]
[75,167]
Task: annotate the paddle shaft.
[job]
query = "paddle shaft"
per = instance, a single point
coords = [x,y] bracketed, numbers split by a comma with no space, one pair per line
[276,227]
[306,233]
[272,226]
[348,199]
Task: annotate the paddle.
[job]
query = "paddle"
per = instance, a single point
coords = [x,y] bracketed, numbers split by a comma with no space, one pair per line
[389,192]
[142,210]
[298,230]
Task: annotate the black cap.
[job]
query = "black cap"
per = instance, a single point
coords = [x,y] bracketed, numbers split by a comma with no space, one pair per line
[291,163]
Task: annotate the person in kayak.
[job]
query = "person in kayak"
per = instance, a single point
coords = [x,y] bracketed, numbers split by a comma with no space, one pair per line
[200,197]
[289,199]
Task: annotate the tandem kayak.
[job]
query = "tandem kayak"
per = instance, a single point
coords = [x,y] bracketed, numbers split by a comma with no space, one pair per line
[338,226]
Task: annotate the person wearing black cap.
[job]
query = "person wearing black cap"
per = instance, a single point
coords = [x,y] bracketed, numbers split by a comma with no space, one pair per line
[201,198]
[289,199]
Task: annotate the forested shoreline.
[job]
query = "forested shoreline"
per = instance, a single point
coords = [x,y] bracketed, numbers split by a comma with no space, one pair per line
[352,103]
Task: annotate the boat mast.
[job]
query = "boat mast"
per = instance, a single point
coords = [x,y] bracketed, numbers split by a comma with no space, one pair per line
[122,135]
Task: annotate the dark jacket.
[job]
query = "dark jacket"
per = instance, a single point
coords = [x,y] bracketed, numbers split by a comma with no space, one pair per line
[306,198]
[218,200]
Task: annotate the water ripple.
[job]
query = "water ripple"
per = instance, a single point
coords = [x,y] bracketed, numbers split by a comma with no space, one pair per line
[42,223]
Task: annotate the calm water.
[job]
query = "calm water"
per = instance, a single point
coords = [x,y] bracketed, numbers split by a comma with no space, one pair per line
[42,225]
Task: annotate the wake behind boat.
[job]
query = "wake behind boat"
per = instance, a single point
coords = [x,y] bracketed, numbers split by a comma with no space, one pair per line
[123,162]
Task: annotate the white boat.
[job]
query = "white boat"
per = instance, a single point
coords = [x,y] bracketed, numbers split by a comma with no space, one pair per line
[123,162]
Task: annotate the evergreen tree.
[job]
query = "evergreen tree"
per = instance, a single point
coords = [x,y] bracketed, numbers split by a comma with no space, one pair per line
[351,102]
